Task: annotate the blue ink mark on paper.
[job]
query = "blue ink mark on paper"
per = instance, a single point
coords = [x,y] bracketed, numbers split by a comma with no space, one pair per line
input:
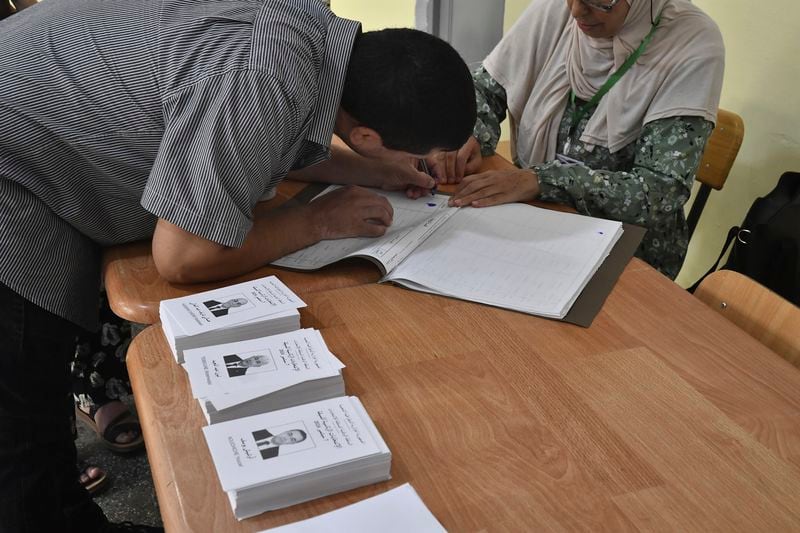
[431,204]
[601,233]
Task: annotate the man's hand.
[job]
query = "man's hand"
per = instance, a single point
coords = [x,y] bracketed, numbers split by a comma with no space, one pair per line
[351,212]
[496,187]
[400,174]
[451,167]
[349,168]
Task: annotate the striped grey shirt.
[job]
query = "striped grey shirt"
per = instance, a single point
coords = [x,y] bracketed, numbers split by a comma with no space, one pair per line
[114,113]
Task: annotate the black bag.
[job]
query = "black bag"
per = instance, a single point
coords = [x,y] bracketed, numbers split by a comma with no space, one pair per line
[766,247]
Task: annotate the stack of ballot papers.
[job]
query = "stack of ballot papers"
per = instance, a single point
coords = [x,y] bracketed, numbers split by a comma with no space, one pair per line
[277,459]
[399,510]
[239,312]
[251,377]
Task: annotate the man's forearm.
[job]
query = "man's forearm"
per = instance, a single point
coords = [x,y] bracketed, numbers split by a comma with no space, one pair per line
[345,167]
[182,257]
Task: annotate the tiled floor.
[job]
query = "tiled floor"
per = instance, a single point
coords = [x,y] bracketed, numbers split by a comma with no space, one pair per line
[130,494]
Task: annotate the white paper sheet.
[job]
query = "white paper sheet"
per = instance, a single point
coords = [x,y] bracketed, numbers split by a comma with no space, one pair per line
[399,510]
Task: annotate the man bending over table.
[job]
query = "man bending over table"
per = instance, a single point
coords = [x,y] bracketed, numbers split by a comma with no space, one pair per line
[126,119]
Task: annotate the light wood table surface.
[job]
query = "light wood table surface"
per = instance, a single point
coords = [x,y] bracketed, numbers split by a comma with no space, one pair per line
[135,288]
[660,416]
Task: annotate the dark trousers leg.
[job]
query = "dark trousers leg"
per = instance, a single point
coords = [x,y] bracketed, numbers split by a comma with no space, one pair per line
[39,489]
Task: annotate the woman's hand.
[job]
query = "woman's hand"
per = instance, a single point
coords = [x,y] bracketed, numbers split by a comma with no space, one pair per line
[496,187]
[451,167]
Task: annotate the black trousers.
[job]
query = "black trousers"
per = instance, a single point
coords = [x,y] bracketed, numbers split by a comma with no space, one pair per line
[39,489]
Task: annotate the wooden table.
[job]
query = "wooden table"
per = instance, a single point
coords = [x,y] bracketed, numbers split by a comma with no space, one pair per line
[135,288]
[661,416]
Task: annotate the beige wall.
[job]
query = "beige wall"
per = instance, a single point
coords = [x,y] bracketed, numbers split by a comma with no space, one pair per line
[398,13]
[762,74]
[375,15]
[762,84]
[514,9]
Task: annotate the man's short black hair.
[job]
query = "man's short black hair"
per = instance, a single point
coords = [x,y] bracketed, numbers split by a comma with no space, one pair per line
[412,88]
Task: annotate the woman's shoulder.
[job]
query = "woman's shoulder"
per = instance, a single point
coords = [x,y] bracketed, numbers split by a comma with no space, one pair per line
[694,27]
[539,26]
[529,41]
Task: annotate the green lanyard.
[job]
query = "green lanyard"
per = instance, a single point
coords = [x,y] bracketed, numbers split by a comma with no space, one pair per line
[578,114]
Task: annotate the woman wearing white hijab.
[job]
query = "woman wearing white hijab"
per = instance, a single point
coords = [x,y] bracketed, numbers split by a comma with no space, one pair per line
[610,103]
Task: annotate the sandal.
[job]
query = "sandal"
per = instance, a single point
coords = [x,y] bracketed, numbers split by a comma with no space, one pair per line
[92,478]
[110,426]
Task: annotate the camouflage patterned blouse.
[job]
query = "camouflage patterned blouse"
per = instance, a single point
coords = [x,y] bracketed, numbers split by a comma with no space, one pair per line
[645,183]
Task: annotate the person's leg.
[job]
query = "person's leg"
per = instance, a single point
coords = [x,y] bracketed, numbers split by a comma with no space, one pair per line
[91,477]
[39,489]
[101,383]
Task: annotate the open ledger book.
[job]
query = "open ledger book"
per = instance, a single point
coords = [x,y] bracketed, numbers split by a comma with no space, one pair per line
[514,256]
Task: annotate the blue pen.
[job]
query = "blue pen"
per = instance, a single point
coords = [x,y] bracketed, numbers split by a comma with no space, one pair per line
[424,166]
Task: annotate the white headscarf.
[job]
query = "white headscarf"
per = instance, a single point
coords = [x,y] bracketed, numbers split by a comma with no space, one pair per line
[545,54]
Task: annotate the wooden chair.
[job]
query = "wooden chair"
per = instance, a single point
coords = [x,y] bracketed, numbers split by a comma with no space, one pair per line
[771,319]
[720,153]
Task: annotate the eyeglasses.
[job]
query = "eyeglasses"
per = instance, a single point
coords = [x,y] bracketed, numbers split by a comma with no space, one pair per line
[601,5]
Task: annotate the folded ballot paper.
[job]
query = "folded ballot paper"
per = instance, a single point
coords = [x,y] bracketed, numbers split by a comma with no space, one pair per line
[251,377]
[277,459]
[239,312]
[399,510]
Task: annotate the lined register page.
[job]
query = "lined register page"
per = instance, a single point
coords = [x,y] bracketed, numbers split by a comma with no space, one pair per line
[413,221]
[514,256]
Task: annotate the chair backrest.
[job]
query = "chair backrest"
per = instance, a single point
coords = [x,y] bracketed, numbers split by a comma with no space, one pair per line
[757,310]
[721,150]
[720,153]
